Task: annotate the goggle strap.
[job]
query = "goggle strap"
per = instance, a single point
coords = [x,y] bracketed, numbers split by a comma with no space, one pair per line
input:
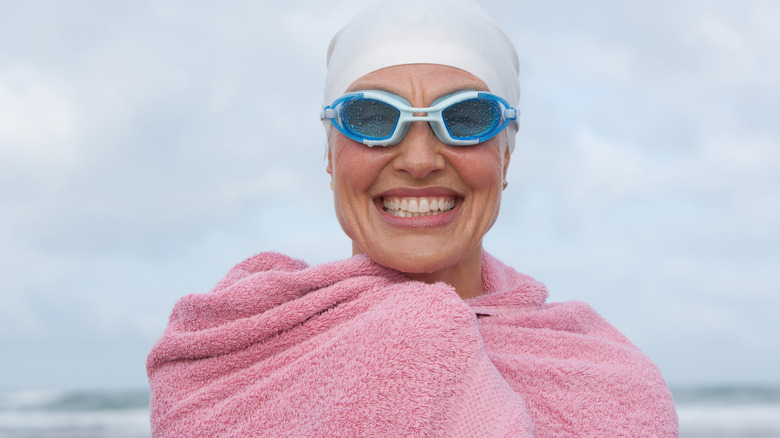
[327,113]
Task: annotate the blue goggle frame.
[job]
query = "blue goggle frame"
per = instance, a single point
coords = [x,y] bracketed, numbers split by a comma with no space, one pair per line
[379,118]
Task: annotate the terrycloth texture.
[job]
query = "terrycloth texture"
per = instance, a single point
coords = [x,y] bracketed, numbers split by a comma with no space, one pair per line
[354,349]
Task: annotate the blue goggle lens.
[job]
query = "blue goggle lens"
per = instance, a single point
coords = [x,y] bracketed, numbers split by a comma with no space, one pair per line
[471,118]
[369,118]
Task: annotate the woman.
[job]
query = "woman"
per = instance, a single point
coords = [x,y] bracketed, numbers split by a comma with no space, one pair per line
[421,332]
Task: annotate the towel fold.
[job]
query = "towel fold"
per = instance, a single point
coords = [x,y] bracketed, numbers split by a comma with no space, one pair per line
[351,348]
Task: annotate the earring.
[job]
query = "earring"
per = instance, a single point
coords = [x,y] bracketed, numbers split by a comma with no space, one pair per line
[331,185]
[505,184]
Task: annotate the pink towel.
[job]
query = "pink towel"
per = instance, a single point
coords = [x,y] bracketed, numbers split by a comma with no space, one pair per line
[351,348]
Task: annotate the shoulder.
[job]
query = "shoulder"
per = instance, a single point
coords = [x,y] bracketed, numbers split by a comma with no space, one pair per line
[262,262]
[268,280]
[566,319]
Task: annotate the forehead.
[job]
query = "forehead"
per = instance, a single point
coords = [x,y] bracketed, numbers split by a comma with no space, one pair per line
[415,81]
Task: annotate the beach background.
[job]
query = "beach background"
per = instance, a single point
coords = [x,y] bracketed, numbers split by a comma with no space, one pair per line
[148,146]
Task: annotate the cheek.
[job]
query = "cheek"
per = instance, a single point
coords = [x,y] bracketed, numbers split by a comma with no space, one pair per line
[482,167]
[482,170]
[345,181]
[354,168]
[351,166]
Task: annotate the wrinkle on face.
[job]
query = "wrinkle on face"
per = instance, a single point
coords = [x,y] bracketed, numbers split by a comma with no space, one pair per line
[448,252]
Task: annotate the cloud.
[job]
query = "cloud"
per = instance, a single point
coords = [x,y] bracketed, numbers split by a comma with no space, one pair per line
[38,123]
[741,155]
[146,147]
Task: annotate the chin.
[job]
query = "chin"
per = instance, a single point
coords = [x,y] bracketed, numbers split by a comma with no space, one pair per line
[414,263]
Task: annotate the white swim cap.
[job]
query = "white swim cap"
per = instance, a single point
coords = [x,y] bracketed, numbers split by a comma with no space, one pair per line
[457,33]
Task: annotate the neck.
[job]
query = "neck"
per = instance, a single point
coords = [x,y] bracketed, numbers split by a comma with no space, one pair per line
[466,280]
[465,277]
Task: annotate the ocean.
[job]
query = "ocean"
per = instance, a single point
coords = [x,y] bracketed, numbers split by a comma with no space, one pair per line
[728,412]
[75,414]
[714,412]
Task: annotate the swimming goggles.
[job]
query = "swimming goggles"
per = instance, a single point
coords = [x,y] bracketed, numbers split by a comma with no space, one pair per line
[379,118]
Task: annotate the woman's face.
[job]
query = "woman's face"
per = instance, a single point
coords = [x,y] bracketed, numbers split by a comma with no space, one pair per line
[460,186]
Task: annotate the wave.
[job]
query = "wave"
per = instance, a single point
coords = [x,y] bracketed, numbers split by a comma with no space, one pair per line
[72,414]
[728,411]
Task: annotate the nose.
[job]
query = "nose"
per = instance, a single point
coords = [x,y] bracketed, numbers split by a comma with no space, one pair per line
[419,152]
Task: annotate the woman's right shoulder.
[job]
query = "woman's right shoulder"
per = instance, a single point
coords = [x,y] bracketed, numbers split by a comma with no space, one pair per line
[270,265]
[262,262]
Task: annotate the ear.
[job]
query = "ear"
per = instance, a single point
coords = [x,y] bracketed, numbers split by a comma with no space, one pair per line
[329,167]
[507,156]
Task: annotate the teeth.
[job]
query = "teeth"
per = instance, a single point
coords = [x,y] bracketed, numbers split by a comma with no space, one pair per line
[411,207]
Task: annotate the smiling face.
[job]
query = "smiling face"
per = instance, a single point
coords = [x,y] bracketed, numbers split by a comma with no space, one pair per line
[420,206]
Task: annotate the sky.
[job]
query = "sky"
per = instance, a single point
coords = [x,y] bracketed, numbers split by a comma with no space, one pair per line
[148,146]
